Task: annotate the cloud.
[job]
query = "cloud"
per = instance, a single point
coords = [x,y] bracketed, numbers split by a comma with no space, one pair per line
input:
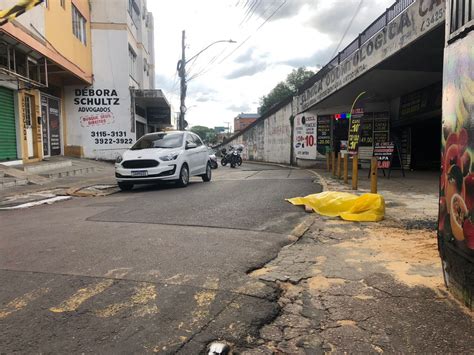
[291,8]
[165,83]
[247,70]
[317,59]
[334,17]
[239,108]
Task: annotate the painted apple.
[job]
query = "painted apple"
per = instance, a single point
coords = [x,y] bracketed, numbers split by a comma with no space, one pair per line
[454,184]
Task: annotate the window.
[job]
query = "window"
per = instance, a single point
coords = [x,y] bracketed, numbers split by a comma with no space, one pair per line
[134,11]
[132,61]
[78,25]
[197,140]
[63,4]
[462,12]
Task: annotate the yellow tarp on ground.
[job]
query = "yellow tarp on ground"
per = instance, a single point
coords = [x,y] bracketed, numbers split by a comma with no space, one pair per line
[350,207]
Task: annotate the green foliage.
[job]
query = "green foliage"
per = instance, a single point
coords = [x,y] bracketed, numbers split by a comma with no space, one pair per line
[285,89]
[208,135]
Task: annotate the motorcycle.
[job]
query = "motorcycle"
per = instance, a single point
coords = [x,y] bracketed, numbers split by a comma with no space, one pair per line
[224,159]
[232,156]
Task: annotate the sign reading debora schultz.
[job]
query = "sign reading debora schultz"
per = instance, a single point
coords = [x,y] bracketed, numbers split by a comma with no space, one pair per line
[418,19]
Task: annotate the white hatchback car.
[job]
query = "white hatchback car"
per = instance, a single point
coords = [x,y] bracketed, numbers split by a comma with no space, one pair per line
[171,156]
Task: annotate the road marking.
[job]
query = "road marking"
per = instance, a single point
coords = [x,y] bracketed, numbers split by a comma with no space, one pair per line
[82,295]
[22,301]
[205,298]
[37,203]
[140,300]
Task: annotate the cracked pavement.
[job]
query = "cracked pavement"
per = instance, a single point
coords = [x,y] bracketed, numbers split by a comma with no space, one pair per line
[364,288]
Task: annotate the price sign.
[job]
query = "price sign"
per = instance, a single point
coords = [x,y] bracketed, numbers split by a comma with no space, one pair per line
[384,153]
[354,136]
[305,136]
[323,134]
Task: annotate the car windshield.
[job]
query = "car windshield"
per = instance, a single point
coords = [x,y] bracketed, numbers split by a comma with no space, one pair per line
[159,140]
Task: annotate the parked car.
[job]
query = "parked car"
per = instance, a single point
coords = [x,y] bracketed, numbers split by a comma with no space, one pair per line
[212,158]
[169,156]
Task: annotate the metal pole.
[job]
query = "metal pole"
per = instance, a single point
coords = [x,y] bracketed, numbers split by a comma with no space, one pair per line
[346,163]
[373,175]
[182,74]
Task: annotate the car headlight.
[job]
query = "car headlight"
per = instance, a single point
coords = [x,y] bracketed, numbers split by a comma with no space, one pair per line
[119,159]
[169,157]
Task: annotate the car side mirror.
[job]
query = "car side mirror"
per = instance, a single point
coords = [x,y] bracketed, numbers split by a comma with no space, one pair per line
[191,145]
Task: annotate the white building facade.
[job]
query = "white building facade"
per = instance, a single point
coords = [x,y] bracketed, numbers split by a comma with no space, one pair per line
[122,104]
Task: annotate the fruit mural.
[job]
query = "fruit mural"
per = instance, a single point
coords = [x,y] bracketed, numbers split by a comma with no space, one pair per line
[456,202]
[457,176]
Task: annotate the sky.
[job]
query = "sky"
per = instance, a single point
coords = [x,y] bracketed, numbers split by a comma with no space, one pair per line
[273,38]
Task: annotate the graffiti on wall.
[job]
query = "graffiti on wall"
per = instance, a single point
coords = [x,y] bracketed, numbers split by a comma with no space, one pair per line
[456,202]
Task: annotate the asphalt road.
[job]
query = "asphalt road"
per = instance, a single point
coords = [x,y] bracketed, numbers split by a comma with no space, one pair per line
[156,269]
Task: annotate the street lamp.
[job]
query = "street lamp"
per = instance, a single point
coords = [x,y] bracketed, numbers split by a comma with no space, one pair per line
[181,67]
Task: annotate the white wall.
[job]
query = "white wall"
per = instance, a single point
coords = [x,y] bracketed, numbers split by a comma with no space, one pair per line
[103,127]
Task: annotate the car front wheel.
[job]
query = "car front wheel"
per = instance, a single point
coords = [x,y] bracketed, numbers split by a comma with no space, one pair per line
[207,176]
[183,176]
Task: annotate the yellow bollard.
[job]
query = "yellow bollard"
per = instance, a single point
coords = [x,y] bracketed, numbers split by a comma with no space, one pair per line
[346,163]
[373,175]
[355,171]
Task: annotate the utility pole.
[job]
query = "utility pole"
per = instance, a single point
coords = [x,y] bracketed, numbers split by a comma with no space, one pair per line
[182,124]
[182,75]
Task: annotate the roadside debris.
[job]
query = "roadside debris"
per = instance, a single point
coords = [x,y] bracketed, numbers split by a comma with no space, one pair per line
[93,191]
[350,207]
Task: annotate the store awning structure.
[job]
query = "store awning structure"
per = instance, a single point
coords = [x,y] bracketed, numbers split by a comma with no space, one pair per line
[152,105]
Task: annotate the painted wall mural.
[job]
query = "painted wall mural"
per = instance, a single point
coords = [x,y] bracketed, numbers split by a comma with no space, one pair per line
[456,203]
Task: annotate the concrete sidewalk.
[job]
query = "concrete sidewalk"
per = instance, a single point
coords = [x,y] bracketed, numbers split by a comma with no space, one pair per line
[99,173]
[367,287]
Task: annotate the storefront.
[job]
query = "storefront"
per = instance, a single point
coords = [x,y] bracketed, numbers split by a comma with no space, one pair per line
[51,125]
[418,126]
[8,131]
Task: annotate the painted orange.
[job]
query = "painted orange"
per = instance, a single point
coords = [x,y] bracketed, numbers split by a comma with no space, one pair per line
[58,31]
[23,37]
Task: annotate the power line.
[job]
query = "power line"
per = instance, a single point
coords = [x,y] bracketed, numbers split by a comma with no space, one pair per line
[347,28]
[258,28]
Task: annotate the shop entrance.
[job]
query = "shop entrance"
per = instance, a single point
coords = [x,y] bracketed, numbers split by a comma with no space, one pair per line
[50,119]
[426,144]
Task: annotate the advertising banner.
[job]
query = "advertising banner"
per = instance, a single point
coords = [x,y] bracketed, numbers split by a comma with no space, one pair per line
[323,134]
[305,136]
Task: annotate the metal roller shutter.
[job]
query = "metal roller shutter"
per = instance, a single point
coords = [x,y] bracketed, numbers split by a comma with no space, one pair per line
[7,125]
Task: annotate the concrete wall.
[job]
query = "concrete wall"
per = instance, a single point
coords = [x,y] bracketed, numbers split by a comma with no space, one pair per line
[269,139]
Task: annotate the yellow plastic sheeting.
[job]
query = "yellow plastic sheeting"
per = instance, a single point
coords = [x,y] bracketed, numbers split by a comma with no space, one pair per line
[350,207]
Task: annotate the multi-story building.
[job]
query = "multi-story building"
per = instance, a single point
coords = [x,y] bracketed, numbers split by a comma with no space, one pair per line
[244,120]
[41,51]
[122,104]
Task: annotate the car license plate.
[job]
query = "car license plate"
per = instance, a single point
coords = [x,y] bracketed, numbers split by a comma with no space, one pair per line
[139,172]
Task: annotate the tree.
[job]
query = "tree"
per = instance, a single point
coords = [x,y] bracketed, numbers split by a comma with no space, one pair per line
[208,135]
[285,89]
[278,94]
[297,78]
